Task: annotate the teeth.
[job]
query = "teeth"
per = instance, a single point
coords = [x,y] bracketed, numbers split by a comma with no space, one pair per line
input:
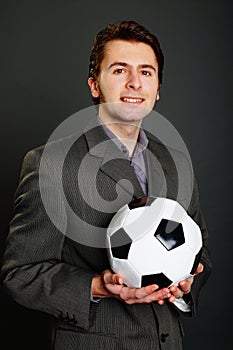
[132,100]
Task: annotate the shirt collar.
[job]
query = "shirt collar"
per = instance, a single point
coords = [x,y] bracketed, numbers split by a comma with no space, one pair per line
[141,145]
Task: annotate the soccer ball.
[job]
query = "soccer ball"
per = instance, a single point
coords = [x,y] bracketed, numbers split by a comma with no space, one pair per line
[153,240]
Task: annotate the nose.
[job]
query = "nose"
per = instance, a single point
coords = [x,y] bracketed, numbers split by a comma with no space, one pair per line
[134,81]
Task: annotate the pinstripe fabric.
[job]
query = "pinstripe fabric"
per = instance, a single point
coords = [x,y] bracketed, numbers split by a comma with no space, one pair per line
[46,270]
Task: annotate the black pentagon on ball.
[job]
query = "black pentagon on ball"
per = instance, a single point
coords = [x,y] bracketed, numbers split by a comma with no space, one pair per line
[196,262]
[141,202]
[120,244]
[159,278]
[170,234]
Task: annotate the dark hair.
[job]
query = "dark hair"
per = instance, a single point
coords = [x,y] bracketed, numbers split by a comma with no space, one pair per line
[125,30]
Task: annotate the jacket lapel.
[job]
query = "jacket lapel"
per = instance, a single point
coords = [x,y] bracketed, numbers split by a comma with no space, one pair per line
[111,160]
[162,171]
[155,175]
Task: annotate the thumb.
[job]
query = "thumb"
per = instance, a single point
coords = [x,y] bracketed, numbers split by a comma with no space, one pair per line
[199,269]
[109,277]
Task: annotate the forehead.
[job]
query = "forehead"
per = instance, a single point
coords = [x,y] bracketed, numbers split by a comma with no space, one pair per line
[130,52]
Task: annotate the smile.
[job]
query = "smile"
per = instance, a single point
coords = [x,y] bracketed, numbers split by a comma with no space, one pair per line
[132,100]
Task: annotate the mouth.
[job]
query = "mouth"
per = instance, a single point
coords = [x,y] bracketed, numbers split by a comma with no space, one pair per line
[133,100]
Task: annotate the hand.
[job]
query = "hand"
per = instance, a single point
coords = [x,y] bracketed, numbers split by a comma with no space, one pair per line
[184,286]
[109,285]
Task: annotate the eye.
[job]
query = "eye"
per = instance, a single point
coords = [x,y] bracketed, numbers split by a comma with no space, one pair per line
[145,72]
[119,71]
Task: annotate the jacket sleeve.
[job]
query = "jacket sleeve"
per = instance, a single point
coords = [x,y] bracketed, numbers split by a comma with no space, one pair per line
[33,271]
[199,281]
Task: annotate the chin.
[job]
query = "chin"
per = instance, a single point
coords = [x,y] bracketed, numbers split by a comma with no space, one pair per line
[125,112]
[133,112]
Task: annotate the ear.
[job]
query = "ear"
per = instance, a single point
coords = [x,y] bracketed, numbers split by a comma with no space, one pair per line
[93,87]
[157,95]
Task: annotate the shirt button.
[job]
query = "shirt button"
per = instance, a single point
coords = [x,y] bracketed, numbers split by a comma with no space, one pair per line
[163,337]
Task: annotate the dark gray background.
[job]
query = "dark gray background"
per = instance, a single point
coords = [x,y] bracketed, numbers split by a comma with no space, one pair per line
[44,51]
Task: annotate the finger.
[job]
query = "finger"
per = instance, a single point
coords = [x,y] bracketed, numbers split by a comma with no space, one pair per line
[160,296]
[109,277]
[173,289]
[137,293]
[172,299]
[176,292]
[117,279]
[155,296]
[185,286]
[199,269]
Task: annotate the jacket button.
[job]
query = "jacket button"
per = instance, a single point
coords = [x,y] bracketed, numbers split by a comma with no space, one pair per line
[163,337]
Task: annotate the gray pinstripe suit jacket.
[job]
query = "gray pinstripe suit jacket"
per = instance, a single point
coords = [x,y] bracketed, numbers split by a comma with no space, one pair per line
[50,271]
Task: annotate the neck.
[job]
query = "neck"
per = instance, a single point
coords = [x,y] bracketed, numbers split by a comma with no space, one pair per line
[127,133]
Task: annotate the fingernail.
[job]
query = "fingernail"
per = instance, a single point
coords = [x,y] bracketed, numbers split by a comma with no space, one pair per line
[167,295]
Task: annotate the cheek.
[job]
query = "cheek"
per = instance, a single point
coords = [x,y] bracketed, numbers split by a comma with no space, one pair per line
[109,90]
[152,90]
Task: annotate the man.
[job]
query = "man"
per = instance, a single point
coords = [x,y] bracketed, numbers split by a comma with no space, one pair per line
[55,259]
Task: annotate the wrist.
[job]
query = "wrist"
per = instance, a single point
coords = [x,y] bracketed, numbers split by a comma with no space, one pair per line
[98,289]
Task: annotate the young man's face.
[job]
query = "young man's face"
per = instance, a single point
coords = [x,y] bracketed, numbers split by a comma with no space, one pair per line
[128,80]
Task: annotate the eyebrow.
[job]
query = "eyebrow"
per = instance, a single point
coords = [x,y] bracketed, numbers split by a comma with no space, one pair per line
[124,64]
